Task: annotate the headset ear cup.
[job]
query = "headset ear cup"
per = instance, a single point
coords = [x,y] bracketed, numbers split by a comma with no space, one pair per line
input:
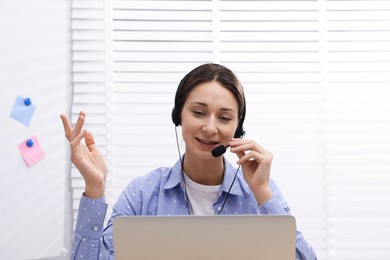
[175,117]
[240,128]
[177,105]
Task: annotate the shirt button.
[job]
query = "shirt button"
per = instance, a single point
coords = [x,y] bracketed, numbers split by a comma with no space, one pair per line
[95,228]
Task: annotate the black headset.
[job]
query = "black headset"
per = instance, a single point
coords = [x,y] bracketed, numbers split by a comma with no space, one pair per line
[178,106]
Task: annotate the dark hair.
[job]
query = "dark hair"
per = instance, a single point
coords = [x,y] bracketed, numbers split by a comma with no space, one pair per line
[206,73]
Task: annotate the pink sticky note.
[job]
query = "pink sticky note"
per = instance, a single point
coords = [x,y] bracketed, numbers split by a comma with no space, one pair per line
[31,150]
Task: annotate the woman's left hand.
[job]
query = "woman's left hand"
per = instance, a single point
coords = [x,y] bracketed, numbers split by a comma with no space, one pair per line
[256,166]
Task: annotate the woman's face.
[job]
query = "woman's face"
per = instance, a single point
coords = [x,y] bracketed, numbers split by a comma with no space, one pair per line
[209,118]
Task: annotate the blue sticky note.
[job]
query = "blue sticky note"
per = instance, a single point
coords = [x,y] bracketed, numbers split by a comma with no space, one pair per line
[23,110]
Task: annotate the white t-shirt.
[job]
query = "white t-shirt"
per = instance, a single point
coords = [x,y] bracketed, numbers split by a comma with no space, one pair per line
[201,197]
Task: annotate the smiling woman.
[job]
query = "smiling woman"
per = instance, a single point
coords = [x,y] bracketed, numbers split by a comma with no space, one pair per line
[199,183]
[209,118]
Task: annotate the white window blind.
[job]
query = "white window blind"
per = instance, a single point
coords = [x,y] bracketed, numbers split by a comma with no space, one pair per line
[89,78]
[316,76]
[357,128]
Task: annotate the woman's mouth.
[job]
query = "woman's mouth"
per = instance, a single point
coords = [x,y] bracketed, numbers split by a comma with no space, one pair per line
[207,142]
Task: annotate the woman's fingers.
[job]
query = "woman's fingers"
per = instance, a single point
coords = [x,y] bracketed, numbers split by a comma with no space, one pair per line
[247,150]
[89,141]
[79,124]
[259,157]
[70,133]
[246,145]
[76,140]
[67,126]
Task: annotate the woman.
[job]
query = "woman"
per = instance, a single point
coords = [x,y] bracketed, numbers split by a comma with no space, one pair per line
[210,108]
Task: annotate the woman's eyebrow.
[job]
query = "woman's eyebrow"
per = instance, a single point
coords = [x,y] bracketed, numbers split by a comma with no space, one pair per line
[205,105]
[199,103]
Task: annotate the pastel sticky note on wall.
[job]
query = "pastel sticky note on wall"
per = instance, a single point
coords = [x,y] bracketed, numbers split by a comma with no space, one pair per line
[23,110]
[31,150]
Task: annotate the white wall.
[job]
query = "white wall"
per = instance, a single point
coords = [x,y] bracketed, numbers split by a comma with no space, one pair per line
[34,62]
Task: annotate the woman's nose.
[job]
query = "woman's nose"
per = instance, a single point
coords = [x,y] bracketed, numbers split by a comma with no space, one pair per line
[210,126]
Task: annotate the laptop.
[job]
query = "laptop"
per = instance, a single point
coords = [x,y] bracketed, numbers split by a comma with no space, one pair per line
[227,237]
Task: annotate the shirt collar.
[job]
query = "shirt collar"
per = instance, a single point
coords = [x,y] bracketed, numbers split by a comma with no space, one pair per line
[175,178]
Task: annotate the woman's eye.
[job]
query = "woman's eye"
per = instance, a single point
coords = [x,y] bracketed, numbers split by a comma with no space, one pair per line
[198,113]
[225,118]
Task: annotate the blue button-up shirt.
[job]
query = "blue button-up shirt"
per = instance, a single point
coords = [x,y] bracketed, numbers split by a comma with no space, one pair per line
[161,192]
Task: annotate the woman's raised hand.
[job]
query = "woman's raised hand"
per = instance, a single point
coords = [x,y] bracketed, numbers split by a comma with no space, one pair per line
[256,166]
[86,157]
